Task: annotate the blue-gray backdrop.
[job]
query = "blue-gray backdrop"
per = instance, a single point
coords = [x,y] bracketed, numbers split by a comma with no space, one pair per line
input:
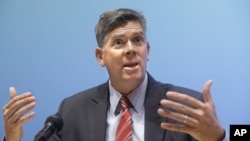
[47,47]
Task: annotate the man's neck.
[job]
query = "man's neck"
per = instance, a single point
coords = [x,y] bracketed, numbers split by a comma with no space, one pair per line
[126,88]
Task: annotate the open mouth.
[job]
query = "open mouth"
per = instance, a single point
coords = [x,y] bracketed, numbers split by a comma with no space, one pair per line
[131,65]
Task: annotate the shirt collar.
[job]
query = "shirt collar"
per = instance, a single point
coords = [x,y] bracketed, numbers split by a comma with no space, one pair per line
[136,97]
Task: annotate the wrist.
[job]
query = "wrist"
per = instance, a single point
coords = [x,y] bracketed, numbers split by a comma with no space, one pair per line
[4,139]
[222,136]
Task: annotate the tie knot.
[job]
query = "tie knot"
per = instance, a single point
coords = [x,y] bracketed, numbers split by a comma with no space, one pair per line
[125,102]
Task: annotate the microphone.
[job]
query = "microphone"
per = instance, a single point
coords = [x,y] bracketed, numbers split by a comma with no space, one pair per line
[53,124]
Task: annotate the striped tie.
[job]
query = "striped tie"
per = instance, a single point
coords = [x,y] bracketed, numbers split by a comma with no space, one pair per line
[124,130]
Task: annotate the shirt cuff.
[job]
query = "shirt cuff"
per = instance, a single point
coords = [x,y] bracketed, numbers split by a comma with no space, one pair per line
[226,138]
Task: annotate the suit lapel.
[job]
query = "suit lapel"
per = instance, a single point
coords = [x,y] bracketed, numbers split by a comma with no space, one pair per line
[97,113]
[155,92]
[99,105]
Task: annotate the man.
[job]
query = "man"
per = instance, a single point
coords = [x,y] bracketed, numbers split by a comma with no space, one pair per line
[153,111]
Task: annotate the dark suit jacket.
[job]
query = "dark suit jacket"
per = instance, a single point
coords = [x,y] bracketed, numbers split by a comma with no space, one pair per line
[85,114]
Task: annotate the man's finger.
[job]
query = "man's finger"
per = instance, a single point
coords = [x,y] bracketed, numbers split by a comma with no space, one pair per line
[16,99]
[21,112]
[13,93]
[176,127]
[191,101]
[207,94]
[26,118]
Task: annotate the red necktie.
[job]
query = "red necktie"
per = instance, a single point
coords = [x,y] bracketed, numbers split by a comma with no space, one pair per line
[124,130]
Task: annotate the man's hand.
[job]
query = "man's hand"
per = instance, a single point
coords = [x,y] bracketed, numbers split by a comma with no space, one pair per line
[199,119]
[14,114]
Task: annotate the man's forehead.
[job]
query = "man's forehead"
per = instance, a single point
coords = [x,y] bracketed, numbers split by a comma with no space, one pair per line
[126,33]
[131,28]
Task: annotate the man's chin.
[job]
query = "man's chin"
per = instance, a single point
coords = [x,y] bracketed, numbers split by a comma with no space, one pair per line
[133,77]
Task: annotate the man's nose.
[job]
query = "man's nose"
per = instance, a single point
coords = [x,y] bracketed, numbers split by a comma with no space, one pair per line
[130,49]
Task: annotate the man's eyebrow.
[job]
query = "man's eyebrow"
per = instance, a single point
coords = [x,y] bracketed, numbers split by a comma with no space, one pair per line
[117,36]
[139,33]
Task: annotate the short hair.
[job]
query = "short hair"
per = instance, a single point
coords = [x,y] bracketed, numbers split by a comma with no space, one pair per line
[110,20]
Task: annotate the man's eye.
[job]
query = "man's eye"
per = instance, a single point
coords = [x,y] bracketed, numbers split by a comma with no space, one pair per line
[118,42]
[138,40]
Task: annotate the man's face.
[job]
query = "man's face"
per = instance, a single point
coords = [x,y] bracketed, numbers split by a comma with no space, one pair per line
[125,53]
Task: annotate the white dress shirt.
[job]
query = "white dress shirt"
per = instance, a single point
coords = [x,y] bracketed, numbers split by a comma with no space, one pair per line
[137,112]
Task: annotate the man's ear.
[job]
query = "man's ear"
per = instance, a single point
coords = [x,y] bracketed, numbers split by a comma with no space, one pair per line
[148,48]
[99,56]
